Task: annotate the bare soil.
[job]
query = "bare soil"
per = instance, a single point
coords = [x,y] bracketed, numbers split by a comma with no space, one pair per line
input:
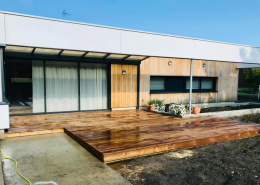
[228,108]
[230,162]
[250,118]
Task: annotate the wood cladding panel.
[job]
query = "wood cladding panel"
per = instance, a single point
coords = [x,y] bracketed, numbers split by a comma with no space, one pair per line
[123,87]
[226,86]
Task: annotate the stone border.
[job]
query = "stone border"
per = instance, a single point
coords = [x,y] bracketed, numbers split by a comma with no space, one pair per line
[217,104]
[220,104]
[220,113]
[225,113]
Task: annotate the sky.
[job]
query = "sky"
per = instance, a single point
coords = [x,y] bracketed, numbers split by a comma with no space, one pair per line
[234,21]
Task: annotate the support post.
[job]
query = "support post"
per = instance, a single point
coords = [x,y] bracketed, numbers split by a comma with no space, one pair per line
[138,86]
[191,73]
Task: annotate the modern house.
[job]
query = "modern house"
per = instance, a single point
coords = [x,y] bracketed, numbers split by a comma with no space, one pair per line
[53,66]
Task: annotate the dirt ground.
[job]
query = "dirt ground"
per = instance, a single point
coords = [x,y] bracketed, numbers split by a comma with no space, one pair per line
[228,108]
[231,162]
[250,118]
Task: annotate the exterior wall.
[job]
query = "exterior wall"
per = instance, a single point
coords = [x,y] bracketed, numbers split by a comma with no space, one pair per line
[25,30]
[2,29]
[227,82]
[1,75]
[123,87]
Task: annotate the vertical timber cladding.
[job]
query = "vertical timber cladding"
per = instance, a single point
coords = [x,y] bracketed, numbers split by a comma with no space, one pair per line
[226,86]
[123,87]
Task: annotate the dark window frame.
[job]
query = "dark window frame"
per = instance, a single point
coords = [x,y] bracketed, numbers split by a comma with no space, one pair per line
[182,87]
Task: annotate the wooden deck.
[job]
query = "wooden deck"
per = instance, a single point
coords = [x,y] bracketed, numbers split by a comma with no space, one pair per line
[118,135]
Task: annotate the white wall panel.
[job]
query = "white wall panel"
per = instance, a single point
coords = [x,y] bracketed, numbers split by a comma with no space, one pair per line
[49,33]
[4,117]
[1,75]
[226,52]
[55,34]
[242,65]
[2,29]
[156,45]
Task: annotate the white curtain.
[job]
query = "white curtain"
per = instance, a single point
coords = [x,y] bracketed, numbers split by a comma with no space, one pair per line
[61,86]
[93,86]
[38,86]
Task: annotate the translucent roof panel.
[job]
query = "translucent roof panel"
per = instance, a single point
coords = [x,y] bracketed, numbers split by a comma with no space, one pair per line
[18,49]
[73,53]
[47,51]
[96,55]
[116,56]
[133,57]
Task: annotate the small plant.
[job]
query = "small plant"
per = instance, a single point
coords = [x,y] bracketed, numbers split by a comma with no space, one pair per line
[151,102]
[178,109]
[187,106]
[159,105]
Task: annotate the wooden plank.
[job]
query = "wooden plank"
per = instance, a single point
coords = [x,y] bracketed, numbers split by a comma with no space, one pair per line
[123,87]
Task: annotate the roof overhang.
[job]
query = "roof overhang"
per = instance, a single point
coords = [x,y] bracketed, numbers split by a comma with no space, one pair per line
[40,32]
[61,54]
[242,66]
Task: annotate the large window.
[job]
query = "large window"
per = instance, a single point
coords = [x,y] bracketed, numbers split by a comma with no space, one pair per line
[38,86]
[177,84]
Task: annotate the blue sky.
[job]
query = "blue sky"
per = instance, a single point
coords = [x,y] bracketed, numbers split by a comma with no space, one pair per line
[235,21]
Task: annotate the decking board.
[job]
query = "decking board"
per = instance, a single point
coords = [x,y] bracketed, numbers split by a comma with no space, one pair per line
[119,135]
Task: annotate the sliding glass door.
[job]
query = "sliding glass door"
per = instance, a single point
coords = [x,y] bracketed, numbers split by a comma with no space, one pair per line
[61,86]
[38,86]
[93,86]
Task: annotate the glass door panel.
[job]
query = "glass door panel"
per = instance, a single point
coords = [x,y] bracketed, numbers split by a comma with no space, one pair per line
[61,86]
[93,86]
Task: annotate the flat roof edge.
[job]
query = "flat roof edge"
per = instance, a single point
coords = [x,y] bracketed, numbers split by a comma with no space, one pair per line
[123,29]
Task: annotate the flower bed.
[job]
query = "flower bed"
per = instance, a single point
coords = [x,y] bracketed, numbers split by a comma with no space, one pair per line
[229,108]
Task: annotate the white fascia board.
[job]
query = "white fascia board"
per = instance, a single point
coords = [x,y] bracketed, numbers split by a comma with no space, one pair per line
[2,30]
[242,65]
[226,52]
[25,30]
[137,43]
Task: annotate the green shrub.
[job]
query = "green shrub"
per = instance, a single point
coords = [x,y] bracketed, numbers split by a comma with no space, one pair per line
[151,102]
[159,105]
[178,109]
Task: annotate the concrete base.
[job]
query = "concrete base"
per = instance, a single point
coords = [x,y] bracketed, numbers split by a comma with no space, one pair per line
[2,134]
[54,157]
[219,104]
[225,113]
